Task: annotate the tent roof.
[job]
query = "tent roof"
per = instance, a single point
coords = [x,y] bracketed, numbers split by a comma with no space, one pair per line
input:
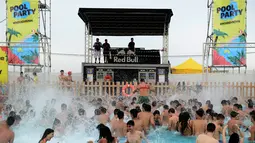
[125,21]
[189,64]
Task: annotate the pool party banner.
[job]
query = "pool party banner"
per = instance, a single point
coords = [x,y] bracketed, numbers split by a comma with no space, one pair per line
[22,27]
[229,26]
[3,66]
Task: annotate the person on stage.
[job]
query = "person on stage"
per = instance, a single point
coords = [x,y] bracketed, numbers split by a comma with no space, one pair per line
[131,45]
[97,51]
[106,52]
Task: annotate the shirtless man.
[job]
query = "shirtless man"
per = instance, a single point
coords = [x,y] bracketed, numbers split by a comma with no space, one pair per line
[218,124]
[144,90]
[250,108]
[134,136]
[165,115]
[208,136]
[103,118]
[119,128]
[63,115]
[233,122]
[199,125]
[6,134]
[115,116]
[252,129]
[147,117]
[138,123]
[21,78]
[172,120]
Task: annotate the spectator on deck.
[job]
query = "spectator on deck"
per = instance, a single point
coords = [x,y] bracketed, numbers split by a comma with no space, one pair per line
[97,50]
[131,45]
[106,52]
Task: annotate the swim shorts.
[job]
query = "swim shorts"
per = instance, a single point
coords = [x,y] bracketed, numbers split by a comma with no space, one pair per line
[143,99]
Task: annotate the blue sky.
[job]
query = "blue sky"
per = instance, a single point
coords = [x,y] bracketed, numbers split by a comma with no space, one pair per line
[187,29]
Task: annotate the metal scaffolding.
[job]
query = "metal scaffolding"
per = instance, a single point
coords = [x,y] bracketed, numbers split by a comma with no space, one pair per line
[45,33]
[165,44]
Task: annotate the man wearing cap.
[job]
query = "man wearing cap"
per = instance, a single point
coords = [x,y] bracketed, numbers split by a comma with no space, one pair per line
[97,50]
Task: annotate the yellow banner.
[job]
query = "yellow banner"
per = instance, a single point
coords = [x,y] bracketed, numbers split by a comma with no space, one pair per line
[22,26]
[3,66]
[229,26]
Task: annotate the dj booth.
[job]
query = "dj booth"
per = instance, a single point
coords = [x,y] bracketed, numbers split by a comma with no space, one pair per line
[128,66]
[139,57]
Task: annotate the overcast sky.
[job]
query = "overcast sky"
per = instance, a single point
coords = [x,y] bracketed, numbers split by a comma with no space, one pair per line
[187,29]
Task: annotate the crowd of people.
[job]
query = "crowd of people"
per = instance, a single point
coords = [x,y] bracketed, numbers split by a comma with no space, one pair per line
[130,120]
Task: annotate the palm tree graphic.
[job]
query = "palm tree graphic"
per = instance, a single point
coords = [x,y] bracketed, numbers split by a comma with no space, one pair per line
[12,32]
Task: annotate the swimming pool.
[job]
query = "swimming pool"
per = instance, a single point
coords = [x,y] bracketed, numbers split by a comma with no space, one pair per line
[31,132]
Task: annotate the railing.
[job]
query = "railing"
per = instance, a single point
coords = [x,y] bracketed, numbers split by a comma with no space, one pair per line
[114,89]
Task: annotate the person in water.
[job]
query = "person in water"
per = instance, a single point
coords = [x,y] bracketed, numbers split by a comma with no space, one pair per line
[47,135]
[134,136]
[105,135]
[6,134]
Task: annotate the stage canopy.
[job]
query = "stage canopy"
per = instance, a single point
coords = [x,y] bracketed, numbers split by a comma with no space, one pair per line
[188,67]
[125,22]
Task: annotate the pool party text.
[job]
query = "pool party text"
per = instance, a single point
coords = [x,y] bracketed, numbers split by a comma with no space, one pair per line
[229,11]
[21,10]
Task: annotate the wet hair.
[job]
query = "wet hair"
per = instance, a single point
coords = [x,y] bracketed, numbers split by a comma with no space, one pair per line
[240,107]
[103,110]
[115,112]
[134,99]
[125,108]
[81,112]
[113,103]
[120,115]
[97,112]
[208,102]
[228,102]
[147,108]
[166,107]
[10,120]
[138,109]
[132,103]
[234,138]
[200,104]
[252,113]
[154,104]
[17,118]
[134,113]
[235,98]
[104,132]
[21,73]
[209,111]
[63,106]
[236,105]
[253,117]
[46,133]
[210,106]
[250,105]
[220,117]
[200,112]
[171,110]
[156,112]
[233,114]
[130,123]
[61,70]
[183,119]
[211,127]
[56,122]
[223,102]
[194,108]
[12,114]
[142,80]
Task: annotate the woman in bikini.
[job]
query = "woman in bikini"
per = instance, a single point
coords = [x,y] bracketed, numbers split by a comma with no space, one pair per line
[47,135]
[184,125]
